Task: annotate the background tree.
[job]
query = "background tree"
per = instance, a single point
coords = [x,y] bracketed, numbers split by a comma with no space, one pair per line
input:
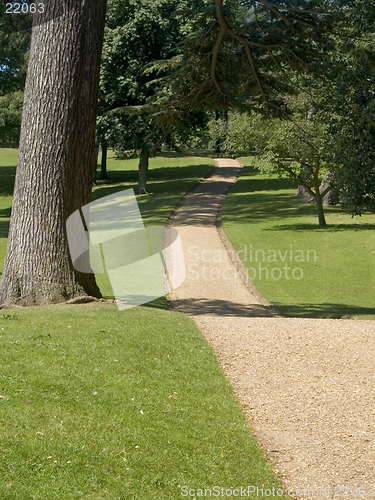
[302,151]
[300,147]
[15,34]
[352,104]
[137,32]
[245,55]
[10,119]
[155,124]
[56,157]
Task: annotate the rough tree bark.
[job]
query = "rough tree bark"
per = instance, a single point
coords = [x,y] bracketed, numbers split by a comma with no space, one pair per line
[55,168]
[142,170]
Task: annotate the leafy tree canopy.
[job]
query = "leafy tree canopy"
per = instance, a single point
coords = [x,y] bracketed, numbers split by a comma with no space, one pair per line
[14,47]
[351,101]
[247,54]
[10,118]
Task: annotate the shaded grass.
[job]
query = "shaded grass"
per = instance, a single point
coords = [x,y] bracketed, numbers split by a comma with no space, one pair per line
[262,214]
[98,404]
[169,179]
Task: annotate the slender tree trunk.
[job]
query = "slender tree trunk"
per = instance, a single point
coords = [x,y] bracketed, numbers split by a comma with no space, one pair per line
[103,165]
[319,201]
[96,161]
[142,170]
[320,210]
[57,155]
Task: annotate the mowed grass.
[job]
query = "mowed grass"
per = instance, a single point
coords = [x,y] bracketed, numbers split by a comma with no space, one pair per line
[330,272]
[98,404]
[169,178]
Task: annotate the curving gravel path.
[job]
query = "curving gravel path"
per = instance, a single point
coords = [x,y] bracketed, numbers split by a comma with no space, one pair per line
[307,386]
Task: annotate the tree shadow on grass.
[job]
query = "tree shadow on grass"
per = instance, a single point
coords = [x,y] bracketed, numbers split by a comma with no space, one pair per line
[156,176]
[6,212]
[328,228]
[253,199]
[215,307]
[262,205]
[4,229]
[164,192]
[7,175]
[260,185]
[325,310]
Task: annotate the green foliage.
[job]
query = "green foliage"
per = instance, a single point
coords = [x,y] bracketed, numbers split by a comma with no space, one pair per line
[352,104]
[138,33]
[10,118]
[243,133]
[244,55]
[299,147]
[15,36]
[14,47]
[296,149]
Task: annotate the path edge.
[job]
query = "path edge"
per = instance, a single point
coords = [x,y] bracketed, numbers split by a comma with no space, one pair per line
[232,252]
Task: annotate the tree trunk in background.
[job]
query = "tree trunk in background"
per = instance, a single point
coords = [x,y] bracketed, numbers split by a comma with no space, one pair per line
[96,161]
[142,170]
[56,160]
[219,141]
[320,209]
[103,165]
[331,198]
[319,202]
[301,191]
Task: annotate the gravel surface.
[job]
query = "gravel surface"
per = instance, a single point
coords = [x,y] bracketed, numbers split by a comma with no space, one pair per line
[306,386]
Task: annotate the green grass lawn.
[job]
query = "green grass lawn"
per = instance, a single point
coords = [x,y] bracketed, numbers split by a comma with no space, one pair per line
[100,404]
[169,179]
[334,268]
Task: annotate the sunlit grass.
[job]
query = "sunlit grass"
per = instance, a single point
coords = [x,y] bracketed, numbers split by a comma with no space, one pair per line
[336,277]
[102,404]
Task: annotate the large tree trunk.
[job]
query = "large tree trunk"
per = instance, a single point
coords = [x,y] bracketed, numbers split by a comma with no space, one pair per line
[56,161]
[142,170]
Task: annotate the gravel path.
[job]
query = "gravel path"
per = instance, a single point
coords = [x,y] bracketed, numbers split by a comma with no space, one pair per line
[306,386]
